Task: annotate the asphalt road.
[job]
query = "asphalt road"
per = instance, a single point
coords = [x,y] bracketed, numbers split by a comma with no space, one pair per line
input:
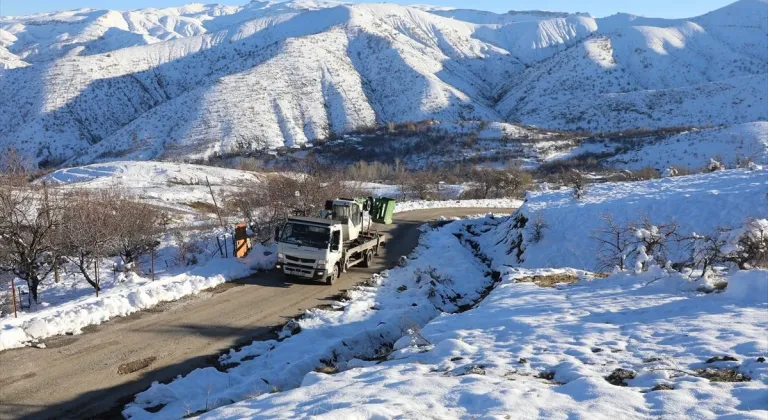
[84,376]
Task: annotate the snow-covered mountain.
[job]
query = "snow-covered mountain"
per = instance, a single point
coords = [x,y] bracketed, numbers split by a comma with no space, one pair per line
[196,80]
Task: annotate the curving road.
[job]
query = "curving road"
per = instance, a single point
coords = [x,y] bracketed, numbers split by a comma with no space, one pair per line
[92,375]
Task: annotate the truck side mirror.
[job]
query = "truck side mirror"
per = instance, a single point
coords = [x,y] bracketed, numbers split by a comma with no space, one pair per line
[277,233]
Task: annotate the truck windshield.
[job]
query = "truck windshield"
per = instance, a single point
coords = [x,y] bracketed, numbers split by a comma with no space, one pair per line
[305,235]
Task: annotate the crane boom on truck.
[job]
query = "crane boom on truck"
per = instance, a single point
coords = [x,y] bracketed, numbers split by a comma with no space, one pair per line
[324,247]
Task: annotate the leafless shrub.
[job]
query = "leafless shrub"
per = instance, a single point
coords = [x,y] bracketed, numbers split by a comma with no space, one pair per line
[186,248]
[648,242]
[494,183]
[745,247]
[575,180]
[614,244]
[715,164]
[420,185]
[373,171]
[655,239]
[706,250]
[642,174]
[751,249]
[538,227]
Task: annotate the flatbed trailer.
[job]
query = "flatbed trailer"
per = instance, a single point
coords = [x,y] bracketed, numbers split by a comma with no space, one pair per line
[362,250]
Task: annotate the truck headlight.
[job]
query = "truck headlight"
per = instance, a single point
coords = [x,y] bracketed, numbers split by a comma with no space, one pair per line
[320,263]
[280,257]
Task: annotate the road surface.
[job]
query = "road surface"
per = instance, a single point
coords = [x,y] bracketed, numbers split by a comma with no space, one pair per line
[77,376]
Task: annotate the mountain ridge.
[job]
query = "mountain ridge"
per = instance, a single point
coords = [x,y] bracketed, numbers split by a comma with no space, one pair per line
[197,80]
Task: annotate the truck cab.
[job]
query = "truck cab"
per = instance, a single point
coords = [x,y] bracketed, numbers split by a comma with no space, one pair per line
[323,247]
[311,248]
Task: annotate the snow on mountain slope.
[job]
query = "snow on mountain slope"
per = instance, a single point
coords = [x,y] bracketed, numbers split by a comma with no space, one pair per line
[197,80]
[742,25]
[534,40]
[649,76]
[731,146]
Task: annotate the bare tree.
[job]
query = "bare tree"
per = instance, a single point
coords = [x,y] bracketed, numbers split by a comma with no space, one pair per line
[752,245]
[614,244]
[137,227]
[421,185]
[269,203]
[745,247]
[29,214]
[87,232]
[575,180]
[538,228]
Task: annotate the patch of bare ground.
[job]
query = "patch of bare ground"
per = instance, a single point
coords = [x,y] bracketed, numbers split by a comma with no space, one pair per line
[135,365]
[550,280]
[723,375]
[223,287]
[202,207]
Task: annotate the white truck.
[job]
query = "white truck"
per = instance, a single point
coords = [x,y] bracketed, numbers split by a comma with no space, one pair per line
[322,248]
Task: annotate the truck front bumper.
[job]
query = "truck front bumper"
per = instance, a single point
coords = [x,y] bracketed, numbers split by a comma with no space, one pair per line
[301,271]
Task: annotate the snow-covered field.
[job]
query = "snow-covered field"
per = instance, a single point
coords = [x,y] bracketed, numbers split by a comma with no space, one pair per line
[546,342]
[176,186]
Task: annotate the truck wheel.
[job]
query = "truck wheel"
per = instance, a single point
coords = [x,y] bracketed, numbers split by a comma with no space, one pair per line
[334,275]
[368,259]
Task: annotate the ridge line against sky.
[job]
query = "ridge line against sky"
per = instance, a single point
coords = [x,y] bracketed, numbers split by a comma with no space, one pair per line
[598,8]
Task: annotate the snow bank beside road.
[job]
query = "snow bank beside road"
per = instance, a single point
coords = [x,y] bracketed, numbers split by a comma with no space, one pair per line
[130,293]
[441,276]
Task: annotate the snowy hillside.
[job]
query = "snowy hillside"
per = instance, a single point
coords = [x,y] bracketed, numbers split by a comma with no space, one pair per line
[175,186]
[731,146]
[546,338]
[697,203]
[197,80]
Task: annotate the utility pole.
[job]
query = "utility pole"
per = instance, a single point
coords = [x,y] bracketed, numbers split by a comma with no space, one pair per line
[56,275]
[218,212]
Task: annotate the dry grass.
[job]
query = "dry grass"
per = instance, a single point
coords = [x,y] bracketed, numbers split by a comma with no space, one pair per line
[723,375]
[550,280]
[328,370]
[202,207]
